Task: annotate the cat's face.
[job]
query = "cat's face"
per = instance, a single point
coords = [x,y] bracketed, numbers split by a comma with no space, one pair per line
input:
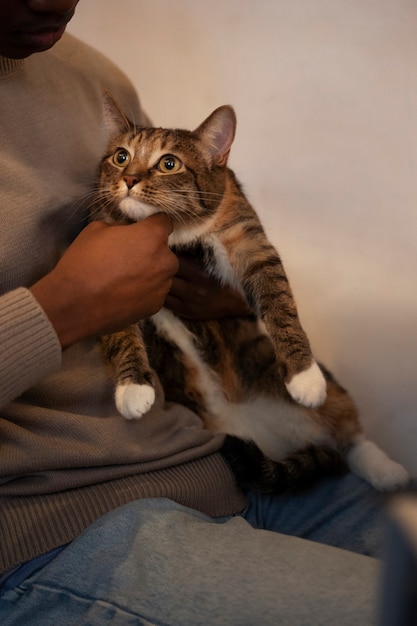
[152,170]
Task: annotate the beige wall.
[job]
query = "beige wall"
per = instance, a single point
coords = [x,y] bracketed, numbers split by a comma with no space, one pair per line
[326,97]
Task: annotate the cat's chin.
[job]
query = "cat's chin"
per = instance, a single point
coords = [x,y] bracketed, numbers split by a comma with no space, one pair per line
[135,209]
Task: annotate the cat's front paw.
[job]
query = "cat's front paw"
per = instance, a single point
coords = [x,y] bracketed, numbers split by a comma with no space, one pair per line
[133,400]
[308,387]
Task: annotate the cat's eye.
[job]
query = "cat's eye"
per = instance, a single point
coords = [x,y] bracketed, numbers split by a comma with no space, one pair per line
[121,157]
[169,164]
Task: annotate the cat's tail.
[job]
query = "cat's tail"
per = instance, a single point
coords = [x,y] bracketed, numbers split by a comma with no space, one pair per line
[299,471]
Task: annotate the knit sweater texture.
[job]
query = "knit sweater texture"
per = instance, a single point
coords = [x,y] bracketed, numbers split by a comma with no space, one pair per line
[66,456]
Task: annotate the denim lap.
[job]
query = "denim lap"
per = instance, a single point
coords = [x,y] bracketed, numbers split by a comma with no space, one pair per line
[156,562]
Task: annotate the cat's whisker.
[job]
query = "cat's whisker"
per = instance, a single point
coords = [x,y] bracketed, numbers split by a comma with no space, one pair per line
[102,202]
[178,197]
[199,195]
[196,192]
[180,213]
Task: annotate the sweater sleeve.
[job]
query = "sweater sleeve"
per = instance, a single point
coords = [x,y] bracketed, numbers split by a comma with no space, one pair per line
[29,346]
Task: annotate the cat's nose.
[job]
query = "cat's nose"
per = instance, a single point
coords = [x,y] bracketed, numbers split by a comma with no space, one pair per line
[130,181]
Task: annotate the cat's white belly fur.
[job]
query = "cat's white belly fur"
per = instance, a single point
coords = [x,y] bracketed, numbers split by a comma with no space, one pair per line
[277,427]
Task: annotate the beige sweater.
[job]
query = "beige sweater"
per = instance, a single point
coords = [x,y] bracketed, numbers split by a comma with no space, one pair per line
[66,456]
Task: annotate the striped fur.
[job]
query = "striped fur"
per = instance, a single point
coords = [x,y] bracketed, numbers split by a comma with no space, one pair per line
[298,471]
[288,421]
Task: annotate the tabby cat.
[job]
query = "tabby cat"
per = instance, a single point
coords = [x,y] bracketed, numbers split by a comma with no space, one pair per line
[254,378]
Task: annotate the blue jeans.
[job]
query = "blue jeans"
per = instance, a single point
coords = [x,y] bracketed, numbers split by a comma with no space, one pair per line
[156,562]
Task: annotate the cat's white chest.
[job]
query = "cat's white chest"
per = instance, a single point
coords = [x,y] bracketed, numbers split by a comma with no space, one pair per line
[183,236]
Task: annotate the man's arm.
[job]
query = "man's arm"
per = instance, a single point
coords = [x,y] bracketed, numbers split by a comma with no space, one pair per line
[109,277]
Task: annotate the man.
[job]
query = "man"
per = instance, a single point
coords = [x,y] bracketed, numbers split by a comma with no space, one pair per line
[105,520]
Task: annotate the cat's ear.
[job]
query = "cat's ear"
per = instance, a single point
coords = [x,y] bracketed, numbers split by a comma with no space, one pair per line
[115,121]
[217,133]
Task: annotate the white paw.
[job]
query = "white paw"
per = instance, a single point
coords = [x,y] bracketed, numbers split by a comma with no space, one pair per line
[392,477]
[308,387]
[133,400]
[371,463]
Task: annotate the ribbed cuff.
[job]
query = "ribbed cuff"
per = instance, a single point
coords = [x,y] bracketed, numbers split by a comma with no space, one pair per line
[8,66]
[29,346]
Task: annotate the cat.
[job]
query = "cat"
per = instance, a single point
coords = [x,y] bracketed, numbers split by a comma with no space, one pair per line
[287,421]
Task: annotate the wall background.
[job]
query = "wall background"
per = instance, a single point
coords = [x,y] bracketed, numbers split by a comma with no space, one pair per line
[326,97]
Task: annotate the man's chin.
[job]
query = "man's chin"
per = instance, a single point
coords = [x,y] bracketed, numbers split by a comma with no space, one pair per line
[25,44]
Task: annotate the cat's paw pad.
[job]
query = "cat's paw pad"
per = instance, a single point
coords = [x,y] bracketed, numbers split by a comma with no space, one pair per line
[391,477]
[133,400]
[308,387]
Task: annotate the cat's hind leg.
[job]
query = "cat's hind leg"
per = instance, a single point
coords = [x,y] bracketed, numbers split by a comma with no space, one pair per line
[368,461]
[339,418]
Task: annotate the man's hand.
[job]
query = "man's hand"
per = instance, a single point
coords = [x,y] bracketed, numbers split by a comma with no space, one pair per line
[109,277]
[195,295]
